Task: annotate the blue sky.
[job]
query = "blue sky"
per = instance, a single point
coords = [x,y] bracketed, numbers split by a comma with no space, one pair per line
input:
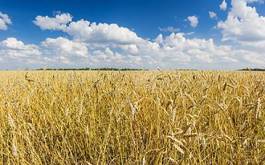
[144,18]
[183,45]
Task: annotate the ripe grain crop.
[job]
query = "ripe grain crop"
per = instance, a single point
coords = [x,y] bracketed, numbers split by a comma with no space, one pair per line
[141,117]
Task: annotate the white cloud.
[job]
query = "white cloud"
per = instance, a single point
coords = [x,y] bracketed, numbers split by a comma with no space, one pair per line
[16,53]
[192,51]
[86,31]
[65,49]
[59,22]
[4,21]
[243,23]
[15,48]
[131,48]
[173,51]
[223,5]
[110,45]
[212,15]
[244,27]
[170,29]
[102,32]
[194,21]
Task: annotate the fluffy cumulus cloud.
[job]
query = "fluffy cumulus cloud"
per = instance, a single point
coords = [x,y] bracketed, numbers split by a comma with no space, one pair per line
[243,23]
[245,28]
[64,50]
[113,46]
[13,48]
[13,51]
[59,22]
[212,15]
[89,44]
[66,47]
[223,5]
[86,31]
[4,21]
[194,21]
[102,32]
[194,52]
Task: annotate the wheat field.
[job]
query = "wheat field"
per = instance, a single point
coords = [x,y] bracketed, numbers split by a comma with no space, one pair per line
[140,117]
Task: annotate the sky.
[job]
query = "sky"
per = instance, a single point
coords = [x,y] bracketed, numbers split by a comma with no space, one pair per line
[169,34]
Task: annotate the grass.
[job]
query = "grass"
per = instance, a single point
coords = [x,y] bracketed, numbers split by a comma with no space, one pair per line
[138,117]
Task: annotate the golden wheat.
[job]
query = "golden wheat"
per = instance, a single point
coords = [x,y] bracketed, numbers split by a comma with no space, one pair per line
[142,117]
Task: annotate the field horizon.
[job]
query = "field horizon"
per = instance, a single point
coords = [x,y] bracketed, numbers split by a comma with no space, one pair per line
[133,69]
